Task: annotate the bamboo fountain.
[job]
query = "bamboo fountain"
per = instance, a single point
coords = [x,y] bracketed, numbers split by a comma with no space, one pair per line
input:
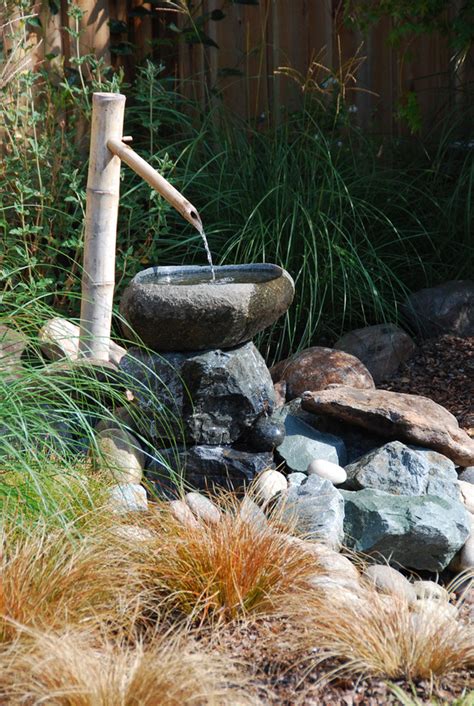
[170,308]
[197,324]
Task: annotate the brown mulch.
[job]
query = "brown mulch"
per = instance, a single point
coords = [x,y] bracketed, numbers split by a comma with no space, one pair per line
[442,369]
[282,678]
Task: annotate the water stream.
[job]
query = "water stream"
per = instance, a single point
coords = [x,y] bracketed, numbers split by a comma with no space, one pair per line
[208,252]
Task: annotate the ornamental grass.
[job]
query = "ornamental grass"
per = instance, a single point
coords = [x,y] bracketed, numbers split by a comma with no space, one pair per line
[53,579]
[375,635]
[223,570]
[77,669]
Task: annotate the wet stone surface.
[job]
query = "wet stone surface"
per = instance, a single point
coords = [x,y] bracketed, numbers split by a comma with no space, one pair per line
[174,309]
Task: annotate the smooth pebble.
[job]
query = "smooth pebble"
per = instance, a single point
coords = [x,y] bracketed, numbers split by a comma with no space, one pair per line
[268,484]
[252,514]
[388,580]
[328,470]
[427,610]
[467,494]
[127,497]
[132,533]
[183,513]
[120,455]
[430,590]
[203,508]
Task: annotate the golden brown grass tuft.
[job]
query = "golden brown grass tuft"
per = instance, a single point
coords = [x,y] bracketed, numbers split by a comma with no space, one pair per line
[73,670]
[52,580]
[223,570]
[377,635]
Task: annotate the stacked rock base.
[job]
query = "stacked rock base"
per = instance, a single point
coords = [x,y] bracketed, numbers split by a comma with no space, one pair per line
[206,415]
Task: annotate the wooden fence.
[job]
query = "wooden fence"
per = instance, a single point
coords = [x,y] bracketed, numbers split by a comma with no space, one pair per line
[241,59]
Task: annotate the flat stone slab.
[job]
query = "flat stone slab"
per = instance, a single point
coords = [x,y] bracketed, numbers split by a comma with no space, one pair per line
[396,415]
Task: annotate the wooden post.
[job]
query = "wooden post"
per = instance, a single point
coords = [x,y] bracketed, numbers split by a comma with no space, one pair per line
[103,187]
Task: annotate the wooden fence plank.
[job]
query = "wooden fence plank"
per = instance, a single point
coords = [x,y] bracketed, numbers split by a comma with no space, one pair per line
[258,39]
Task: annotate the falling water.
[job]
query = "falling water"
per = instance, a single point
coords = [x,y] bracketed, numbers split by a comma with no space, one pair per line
[208,253]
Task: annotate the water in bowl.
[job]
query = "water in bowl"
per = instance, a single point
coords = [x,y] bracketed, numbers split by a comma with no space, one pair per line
[208,277]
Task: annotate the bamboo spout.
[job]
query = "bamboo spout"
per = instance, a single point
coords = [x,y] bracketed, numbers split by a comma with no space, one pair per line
[156,181]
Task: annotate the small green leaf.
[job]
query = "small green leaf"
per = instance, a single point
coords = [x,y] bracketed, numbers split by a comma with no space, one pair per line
[34,21]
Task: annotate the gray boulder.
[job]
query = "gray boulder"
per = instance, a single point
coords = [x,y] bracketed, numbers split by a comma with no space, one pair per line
[316,510]
[442,479]
[296,478]
[417,532]
[210,397]
[447,308]
[381,348]
[394,468]
[403,470]
[357,441]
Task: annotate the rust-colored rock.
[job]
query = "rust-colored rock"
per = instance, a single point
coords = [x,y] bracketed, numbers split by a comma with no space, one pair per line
[316,368]
[395,415]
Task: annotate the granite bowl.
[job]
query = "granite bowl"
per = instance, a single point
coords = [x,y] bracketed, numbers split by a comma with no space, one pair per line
[183,308]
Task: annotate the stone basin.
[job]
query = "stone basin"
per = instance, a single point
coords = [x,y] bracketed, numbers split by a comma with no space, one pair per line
[182,308]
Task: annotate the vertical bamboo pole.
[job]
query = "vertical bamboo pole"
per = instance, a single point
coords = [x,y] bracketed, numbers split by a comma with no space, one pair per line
[103,187]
